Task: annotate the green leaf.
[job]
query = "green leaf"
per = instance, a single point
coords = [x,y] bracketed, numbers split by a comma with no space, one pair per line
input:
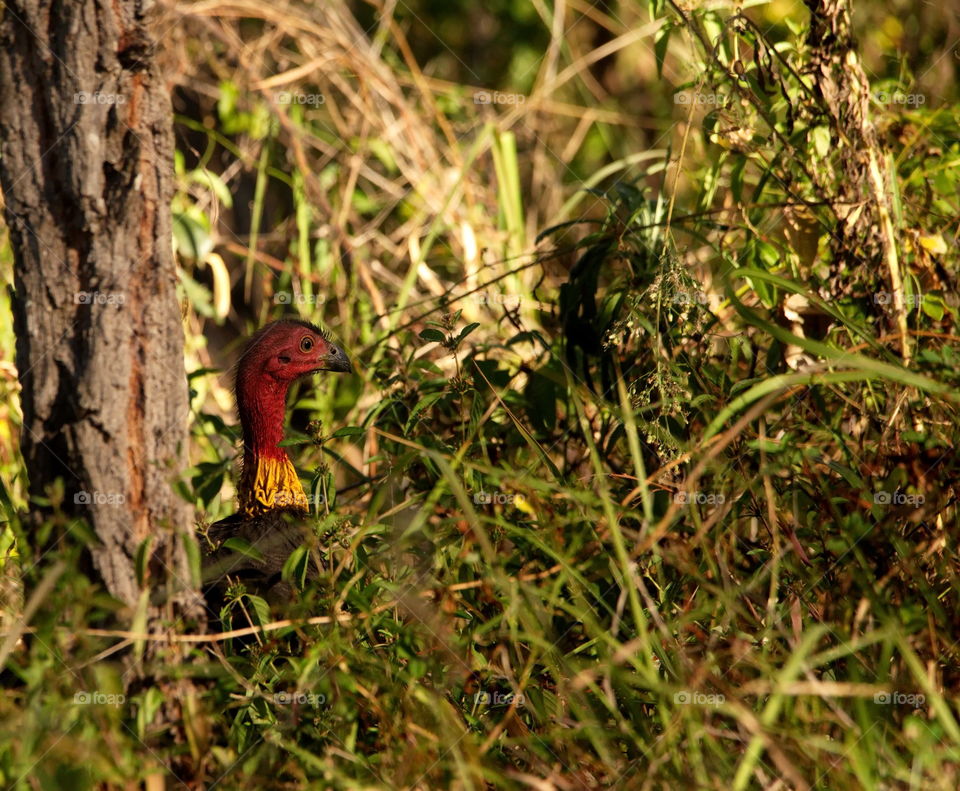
[199,295]
[466,331]
[430,334]
[383,152]
[150,702]
[348,431]
[291,442]
[660,41]
[424,403]
[227,101]
[194,564]
[736,178]
[260,608]
[296,566]
[191,234]
[208,483]
[820,140]
[214,183]
[243,547]
[142,559]
[933,306]
[139,623]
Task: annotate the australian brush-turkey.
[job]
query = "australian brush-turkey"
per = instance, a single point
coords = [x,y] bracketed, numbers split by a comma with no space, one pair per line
[271,501]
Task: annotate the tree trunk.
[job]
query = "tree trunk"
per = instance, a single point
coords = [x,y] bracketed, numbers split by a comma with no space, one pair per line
[86,169]
[864,236]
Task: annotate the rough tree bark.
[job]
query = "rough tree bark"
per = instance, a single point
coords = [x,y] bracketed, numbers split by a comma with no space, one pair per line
[86,172]
[862,195]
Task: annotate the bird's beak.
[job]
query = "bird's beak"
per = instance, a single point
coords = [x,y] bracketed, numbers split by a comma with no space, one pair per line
[335,360]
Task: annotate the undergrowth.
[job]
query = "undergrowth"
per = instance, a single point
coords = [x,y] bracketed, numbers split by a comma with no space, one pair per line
[646,476]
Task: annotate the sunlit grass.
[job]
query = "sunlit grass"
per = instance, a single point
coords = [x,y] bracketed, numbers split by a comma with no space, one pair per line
[589,518]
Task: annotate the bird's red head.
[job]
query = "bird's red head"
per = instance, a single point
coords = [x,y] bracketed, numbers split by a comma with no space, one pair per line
[288,349]
[277,355]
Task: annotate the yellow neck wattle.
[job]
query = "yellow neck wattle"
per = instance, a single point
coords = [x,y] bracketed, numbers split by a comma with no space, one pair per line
[270,484]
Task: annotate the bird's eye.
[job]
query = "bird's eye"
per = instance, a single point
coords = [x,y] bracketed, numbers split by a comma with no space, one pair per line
[306,343]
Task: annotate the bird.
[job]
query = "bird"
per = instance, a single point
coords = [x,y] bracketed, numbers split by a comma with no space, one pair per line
[271,504]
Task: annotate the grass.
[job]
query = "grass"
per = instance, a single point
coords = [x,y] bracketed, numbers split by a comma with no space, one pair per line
[664,499]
